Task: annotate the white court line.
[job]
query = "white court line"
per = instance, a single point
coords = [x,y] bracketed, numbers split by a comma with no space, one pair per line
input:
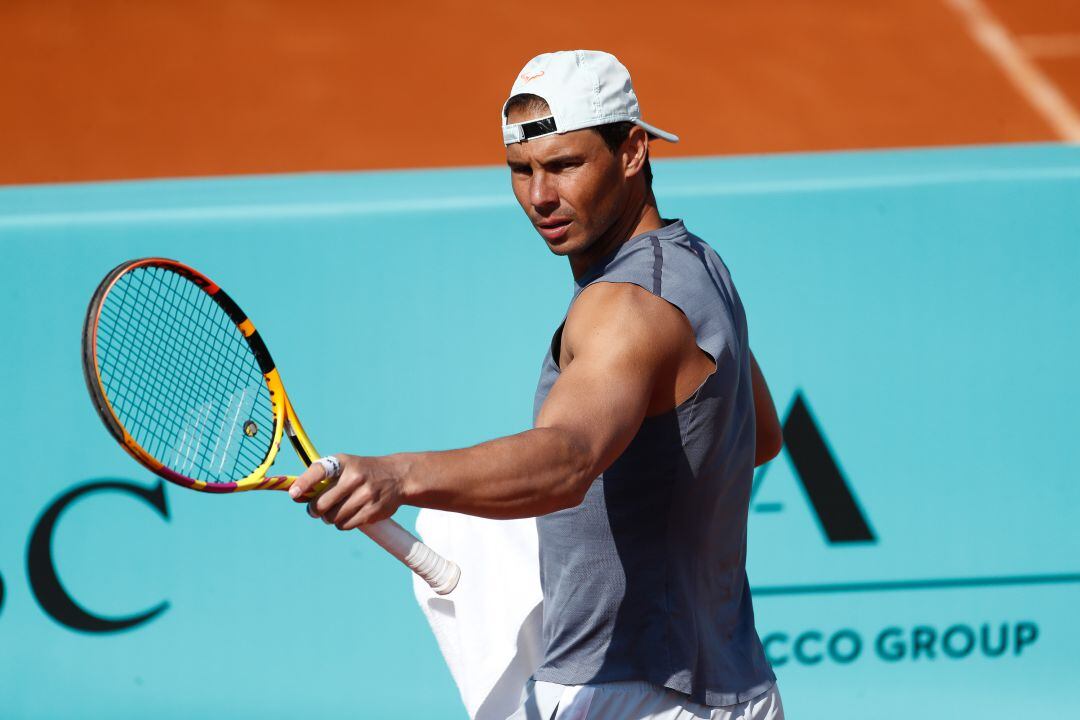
[247,212]
[732,188]
[1032,83]
[1057,45]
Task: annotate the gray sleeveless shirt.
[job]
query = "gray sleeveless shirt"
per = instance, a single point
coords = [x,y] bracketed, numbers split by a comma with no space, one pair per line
[646,578]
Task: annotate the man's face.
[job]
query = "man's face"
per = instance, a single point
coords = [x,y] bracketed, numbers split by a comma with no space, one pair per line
[572,187]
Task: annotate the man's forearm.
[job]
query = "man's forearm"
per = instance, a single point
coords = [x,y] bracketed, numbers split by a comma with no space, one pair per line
[532,473]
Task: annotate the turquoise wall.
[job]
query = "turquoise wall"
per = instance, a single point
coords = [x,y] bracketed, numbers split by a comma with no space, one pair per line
[921,305]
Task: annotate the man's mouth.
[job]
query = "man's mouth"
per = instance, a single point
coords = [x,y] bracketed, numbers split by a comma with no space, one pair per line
[553,229]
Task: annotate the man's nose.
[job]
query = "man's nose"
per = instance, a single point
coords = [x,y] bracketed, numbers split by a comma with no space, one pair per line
[542,192]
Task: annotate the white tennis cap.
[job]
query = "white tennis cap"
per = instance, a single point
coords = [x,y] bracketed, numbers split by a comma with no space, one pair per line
[583,88]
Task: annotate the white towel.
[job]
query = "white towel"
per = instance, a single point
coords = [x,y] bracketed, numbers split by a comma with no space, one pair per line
[488,628]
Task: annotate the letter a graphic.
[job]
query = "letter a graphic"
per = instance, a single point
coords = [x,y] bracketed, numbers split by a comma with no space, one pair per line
[837,510]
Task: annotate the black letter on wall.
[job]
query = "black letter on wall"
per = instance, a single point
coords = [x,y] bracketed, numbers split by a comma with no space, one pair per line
[840,516]
[44,581]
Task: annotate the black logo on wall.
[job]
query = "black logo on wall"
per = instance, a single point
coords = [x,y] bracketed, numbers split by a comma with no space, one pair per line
[838,513]
[45,583]
[843,521]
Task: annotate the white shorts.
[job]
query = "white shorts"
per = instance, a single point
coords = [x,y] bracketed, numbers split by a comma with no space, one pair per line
[635,700]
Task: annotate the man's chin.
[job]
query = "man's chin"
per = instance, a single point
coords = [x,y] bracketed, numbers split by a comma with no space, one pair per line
[559,249]
[564,246]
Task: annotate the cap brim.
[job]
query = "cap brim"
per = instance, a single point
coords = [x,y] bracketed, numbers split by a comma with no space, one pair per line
[657,132]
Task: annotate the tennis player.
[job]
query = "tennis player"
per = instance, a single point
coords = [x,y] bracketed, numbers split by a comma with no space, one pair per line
[650,416]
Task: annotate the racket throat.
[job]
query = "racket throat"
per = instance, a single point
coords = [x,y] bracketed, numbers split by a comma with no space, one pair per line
[300,443]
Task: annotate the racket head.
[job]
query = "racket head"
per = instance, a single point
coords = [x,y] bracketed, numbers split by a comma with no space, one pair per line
[181,378]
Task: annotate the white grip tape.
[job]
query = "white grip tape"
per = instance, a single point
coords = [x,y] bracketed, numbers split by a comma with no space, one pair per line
[441,574]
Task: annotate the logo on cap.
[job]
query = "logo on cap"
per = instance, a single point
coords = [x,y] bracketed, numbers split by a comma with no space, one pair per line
[526,77]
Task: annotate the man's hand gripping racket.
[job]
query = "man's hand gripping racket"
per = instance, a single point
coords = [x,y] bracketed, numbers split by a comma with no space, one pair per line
[183,381]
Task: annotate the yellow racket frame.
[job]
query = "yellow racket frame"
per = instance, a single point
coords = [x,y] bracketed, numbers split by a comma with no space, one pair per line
[441,574]
[285,420]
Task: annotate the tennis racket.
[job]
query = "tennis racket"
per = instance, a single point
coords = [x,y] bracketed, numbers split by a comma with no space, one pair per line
[186,385]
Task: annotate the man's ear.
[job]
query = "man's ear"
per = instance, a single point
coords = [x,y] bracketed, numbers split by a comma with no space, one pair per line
[635,151]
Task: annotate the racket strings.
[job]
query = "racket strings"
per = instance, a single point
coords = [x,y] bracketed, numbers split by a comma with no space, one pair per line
[146,396]
[154,386]
[181,377]
[141,369]
[198,433]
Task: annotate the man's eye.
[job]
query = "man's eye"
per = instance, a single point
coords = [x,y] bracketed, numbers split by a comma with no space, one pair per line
[520,169]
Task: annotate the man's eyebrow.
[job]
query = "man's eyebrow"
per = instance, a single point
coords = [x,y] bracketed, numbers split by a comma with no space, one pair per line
[563,158]
[566,157]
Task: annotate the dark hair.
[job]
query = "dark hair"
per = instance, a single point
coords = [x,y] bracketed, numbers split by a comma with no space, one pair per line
[613,134]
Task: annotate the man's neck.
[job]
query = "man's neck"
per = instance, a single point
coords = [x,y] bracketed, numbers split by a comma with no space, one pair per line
[633,224]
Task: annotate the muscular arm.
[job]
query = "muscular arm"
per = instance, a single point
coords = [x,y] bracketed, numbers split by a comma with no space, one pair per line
[621,349]
[622,341]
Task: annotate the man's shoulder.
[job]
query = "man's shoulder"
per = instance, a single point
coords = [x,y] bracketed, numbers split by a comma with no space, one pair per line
[621,312]
[612,298]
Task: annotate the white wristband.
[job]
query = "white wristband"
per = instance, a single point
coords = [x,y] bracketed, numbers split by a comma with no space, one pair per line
[331,466]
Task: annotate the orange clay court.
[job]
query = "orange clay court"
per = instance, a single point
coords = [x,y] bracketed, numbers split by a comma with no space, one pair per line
[113,89]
